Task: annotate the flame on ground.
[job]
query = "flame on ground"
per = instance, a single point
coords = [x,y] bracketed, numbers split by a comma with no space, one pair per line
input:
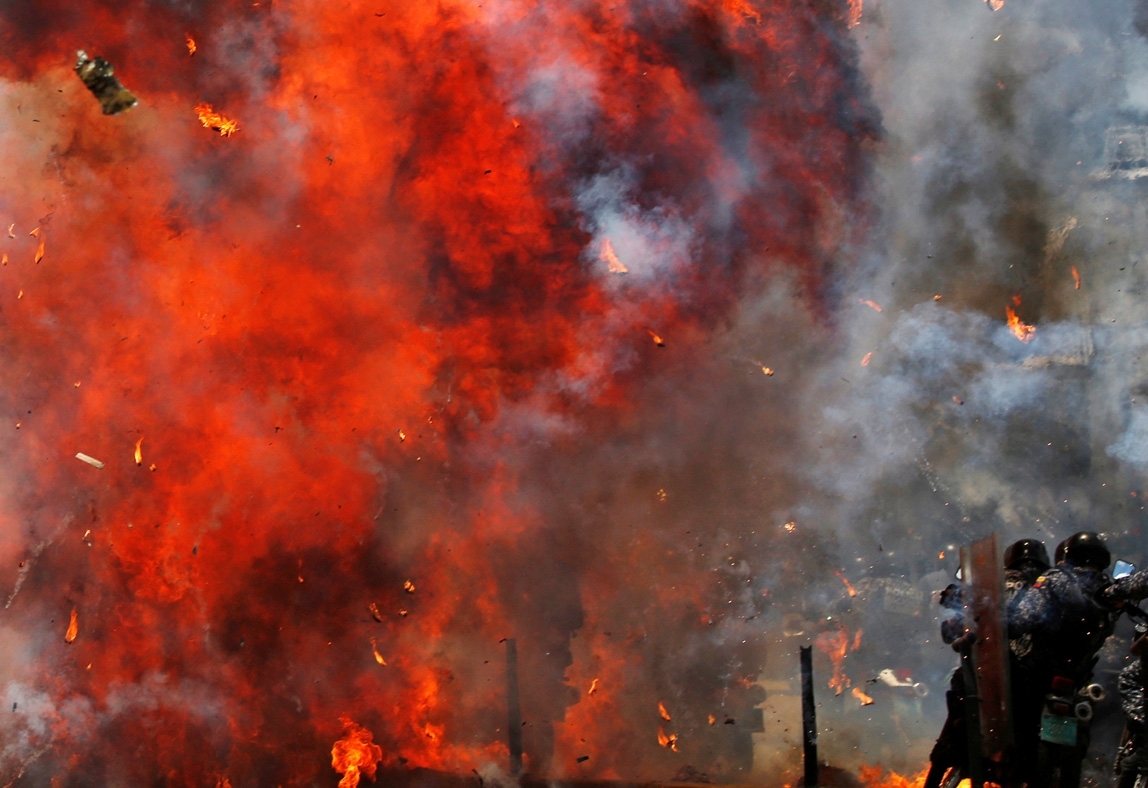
[356,754]
[878,777]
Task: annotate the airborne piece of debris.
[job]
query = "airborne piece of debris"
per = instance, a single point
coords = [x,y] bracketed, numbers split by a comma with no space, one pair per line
[99,77]
[89,460]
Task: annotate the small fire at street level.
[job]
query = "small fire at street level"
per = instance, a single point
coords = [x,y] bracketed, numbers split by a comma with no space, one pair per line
[377,336]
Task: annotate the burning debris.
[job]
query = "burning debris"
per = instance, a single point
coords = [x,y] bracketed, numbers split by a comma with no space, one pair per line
[866,700]
[375,651]
[375,613]
[665,715]
[98,76]
[611,259]
[214,121]
[409,587]
[139,451]
[657,339]
[867,358]
[871,304]
[73,628]
[191,48]
[1076,277]
[667,740]
[593,687]
[355,755]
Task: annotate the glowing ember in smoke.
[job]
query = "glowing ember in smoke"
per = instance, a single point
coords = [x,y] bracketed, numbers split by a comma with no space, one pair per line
[995,5]
[139,451]
[856,640]
[871,304]
[214,121]
[190,45]
[669,741]
[593,687]
[791,526]
[866,358]
[4,259]
[611,259]
[40,251]
[861,696]
[73,628]
[1022,331]
[665,715]
[768,371]
[375,651]
[409,587]
[834,645]
[1076,277]
[12,230]
[848,586]
[657,339]
[711,719]
[374,608]
[355,754]
[35,232]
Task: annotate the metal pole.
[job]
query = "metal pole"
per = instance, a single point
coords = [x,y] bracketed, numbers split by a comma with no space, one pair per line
[514,709]
[808,717]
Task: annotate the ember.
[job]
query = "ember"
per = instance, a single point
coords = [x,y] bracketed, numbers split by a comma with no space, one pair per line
[861,696]
[667,740]
[139,451]
[190,45]
[665,715]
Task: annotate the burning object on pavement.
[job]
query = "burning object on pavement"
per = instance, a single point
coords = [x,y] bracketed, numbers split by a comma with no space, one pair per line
[98,76]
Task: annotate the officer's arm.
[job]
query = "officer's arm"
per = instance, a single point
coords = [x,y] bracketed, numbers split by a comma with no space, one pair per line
[1133,587]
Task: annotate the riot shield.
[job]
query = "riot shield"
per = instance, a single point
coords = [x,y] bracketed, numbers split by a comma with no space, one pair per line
[984,609]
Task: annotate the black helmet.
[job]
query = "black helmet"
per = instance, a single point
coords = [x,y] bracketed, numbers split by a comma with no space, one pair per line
[1026,550]
[1085,548]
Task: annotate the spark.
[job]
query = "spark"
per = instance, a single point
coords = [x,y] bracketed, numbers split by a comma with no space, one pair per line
[871,304]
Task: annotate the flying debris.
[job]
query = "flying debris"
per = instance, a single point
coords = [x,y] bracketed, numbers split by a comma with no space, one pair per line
[867,358]
[84,457]
[375,651]
[99,77]
[871,304]
[669,741]
[1076,277]
[190,45]
[409,587]
[593,687]
[665,715]
[374,608]
[139,451]
[12,230]
[657,339]
[40,250]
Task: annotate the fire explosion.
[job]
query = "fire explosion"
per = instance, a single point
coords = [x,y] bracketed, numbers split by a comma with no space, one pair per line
[364,339]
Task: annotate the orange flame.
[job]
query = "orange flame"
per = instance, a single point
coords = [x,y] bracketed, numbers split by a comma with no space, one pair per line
[73,628]
[662,711]
[611,259]
[1020,330]
[355,754]
[856,640]
[139,451]
[375,651]
[593,687]
[409,587]
[657,339]
[877,777]
[856,8]
[190,45]
[1076,277]
[40,250]
[214,121]
[871,304]
[834,645]
[861,696]
[669,741]
[375,613]
[848,585]
[867,358]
